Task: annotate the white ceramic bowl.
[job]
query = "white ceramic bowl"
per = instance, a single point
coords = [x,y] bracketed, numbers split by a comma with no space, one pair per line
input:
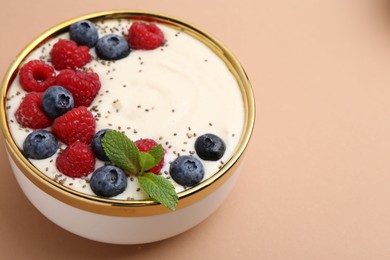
[136,221]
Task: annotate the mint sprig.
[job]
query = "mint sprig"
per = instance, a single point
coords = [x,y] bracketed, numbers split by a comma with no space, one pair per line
[121,151]
[124,153]
[146,161]
[159,188]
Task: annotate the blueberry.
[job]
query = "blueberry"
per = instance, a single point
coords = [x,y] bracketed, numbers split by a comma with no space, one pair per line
[56,101]
[112,47]
[97,147]
[186,170]
[108,181]
[210,147]
[84,33]
[40,144]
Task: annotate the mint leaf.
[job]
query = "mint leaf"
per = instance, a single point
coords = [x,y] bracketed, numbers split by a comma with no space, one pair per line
[121,151]
[157,152]
[124,153]
[146,161]
[159,189]
[149,159]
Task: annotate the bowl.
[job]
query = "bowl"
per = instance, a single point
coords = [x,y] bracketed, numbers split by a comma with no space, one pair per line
[133,221]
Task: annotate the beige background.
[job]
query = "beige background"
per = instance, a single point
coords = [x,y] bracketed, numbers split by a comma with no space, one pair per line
[316,184]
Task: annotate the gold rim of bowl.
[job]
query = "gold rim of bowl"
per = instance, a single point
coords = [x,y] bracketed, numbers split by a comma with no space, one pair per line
[133,208]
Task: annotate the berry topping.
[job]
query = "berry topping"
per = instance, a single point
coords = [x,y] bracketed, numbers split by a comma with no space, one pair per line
[56,101]
[210,147]
[97,147]
[125,154]
[36,75]
[108,181]
[77,160]
[143,36]
[65,54]
[144,145]
[112,47]
[186,170]
[84,33]
[84,86]
[30,113]
[40,144]
[75,125]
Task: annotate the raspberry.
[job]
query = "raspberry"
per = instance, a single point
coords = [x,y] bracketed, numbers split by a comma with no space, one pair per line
[65,54]
[77,160]
[144,145]
[30,113]
[84,86]
[36,75]
[75,125]
[143,36]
